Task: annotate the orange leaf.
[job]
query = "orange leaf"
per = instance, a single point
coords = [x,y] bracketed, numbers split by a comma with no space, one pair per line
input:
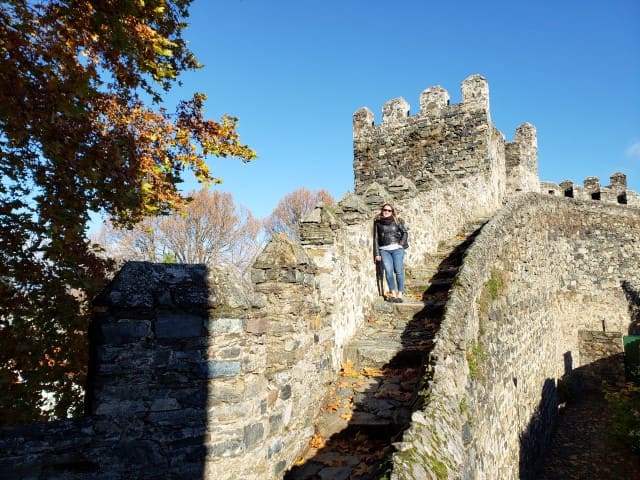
[317,441]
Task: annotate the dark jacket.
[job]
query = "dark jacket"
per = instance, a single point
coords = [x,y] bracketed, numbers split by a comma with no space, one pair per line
[388,234]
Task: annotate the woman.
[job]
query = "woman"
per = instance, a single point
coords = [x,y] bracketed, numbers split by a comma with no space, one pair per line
[389,240]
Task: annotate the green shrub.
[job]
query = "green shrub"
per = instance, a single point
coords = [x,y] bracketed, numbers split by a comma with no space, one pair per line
[624,411]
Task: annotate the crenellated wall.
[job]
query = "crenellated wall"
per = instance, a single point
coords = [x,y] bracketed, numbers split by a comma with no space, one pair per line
[197,374]
[443,143]
[591,189]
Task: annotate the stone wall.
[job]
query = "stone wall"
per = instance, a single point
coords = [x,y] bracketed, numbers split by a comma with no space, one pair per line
[195,374]
[591,189]
[229,378]
[442,143]
[542,272]
[153,377]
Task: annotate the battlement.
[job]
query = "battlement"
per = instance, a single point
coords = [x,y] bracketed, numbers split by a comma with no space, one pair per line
[591,189]
[442,143]
[434,101]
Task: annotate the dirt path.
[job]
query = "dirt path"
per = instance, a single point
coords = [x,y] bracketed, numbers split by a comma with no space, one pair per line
[582,449]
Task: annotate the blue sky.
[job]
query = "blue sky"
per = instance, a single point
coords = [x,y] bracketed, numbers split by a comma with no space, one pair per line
[294,72]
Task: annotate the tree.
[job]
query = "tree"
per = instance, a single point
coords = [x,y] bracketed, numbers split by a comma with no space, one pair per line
[211,229]
[76,137]
[286,217]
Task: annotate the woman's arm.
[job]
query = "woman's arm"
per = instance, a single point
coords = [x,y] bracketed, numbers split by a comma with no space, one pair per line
[404,237]
[376,245]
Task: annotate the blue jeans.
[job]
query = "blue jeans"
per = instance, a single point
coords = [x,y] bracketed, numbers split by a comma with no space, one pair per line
[393,261]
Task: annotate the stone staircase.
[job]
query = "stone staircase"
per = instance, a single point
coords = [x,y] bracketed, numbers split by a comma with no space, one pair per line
[369,405]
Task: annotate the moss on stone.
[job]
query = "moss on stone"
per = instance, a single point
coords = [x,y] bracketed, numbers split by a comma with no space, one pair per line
[491,290]
[438,468]
[475,359]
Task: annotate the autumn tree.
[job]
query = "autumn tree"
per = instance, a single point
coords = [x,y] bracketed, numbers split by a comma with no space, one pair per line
[286,217]
[211,229]
[82,129]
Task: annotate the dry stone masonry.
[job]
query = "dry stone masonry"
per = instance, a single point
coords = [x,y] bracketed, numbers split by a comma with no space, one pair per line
[198,374]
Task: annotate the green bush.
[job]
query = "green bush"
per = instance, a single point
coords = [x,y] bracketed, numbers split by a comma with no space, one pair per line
[624,410]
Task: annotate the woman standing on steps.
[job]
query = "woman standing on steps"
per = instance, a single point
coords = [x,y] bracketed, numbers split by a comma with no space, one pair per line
[389,242]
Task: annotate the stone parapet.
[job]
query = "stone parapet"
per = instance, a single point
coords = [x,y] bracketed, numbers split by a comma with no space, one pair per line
[616,192]
[522,160]
[541,273]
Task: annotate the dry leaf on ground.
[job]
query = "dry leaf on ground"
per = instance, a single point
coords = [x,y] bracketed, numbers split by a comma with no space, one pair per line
[317,441]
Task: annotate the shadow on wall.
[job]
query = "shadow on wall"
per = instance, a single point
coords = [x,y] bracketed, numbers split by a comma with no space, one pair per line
[632,340]
[577,385]
[539,431]
[633,297]
[147,389]
[149,371]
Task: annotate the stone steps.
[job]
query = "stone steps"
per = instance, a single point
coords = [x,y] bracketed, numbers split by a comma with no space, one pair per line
[394,336]
[370,404]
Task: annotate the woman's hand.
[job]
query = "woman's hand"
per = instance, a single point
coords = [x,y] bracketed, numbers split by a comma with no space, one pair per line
[378,258]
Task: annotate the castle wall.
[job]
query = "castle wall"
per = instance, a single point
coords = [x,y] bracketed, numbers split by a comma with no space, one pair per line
[522,160]
[192,377]
[591,189]
[249,374]
[196,375]
[544,274]
[440,144]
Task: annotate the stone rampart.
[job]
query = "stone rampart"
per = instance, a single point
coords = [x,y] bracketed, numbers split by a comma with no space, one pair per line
[542,275]
[197,375]
[193,375]
[442,143]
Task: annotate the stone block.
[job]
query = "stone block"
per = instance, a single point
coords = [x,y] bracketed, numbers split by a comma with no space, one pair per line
[221,368]
[227,448]
[256,325]
[225,325]
[163,404]
[253,434]
[178,325]
[125,331]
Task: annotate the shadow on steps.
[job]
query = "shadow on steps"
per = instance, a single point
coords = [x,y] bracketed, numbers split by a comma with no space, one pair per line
[369,406]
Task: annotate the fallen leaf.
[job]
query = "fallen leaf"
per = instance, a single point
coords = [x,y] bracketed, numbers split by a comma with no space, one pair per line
[408,374]
[372,372]
[333,406]
[336,462]
[347,367]
[361,437]
[317,441]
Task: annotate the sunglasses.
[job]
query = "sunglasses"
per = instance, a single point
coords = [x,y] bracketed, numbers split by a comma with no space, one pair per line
[387,210]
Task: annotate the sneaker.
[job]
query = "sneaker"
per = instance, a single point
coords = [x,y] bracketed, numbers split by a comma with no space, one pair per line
[396,300]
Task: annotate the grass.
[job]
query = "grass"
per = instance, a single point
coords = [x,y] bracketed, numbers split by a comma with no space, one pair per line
[475,358]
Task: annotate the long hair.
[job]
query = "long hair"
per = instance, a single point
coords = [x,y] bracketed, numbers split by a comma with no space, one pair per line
[393,213]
